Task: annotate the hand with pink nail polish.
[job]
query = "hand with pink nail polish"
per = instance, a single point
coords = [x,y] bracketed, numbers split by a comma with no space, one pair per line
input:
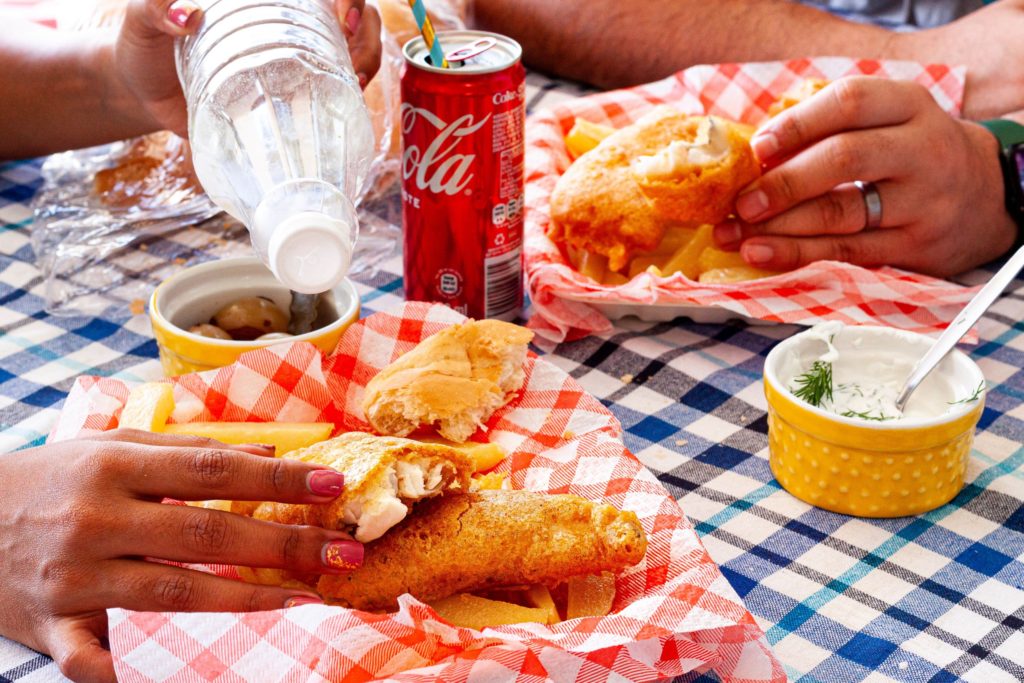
[79,520]
[935,178]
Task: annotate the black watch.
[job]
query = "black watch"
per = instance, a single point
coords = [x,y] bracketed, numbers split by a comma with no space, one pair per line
[1011,159]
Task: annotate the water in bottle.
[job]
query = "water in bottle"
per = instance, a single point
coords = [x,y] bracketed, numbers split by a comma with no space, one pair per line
[281,138]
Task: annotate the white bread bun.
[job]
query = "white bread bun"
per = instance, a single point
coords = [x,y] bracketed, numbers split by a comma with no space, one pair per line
[452,381]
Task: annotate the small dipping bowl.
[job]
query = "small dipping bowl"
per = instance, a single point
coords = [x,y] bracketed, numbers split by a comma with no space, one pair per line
[196,293]
[865,468]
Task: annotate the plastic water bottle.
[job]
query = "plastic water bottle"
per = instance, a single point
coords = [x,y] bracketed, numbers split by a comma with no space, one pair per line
[281,138]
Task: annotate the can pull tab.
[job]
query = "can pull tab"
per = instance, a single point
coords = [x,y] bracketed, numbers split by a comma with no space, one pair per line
[470,50]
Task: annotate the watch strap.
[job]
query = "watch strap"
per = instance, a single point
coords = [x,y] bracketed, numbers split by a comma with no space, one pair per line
[1010,136]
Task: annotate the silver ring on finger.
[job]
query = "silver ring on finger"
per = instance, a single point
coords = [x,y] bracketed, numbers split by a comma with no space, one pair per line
[872,204]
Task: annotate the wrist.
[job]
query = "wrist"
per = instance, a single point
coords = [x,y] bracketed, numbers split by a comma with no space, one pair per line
[117,98]
[994,191]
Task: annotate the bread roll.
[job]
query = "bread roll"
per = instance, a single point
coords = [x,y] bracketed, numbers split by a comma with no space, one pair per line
[452,381]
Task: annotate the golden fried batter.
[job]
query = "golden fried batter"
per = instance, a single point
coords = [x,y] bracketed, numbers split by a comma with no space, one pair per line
[695,180]
[487,539]
[618,199]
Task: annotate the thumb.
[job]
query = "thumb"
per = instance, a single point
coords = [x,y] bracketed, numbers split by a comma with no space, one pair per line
[152,19]
[77,646]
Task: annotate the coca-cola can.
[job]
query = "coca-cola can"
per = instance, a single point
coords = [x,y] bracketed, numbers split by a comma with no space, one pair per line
[462,174]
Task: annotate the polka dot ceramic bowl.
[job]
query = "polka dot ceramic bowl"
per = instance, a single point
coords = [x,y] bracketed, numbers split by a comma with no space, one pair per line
[863,468]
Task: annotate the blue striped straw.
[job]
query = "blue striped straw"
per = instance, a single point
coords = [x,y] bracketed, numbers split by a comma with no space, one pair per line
[427,29]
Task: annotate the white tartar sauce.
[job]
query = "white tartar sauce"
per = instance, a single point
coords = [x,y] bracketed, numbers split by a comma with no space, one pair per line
[867,376]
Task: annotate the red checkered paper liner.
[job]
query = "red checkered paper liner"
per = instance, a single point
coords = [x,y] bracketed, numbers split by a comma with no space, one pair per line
[673,613]
[826,290]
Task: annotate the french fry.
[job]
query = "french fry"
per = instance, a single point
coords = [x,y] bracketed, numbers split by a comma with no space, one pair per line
[615,279]
[540,597]
[238,507]
[685,259]
[492,481]
[712,258]
[484,455]
[641,264]
[272,577]
[585,136]
[148,407]
[594,266]
[590,596]
[470,611]
[718,276]
[286,436]
[675,237]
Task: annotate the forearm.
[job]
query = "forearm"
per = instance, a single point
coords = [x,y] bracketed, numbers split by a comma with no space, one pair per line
[60,92]
[610,43]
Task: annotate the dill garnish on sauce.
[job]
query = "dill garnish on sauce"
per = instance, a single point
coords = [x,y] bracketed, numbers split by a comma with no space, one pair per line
[973,397]
[815,385]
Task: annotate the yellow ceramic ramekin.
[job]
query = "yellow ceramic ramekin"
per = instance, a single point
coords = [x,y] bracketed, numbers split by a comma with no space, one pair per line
[195,294]
[870,469]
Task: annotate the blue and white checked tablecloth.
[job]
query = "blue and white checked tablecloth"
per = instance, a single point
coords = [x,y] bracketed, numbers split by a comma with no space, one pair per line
[937,598]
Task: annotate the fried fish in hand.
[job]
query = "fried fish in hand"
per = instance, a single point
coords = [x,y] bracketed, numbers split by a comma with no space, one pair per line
[488,539]
[597,205]
[695,178]
[452,381]
[384,476]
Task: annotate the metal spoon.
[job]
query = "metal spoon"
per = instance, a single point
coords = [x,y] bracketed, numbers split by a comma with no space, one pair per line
[958,328]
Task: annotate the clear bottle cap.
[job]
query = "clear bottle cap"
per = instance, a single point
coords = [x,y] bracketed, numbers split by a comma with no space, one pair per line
[310,252]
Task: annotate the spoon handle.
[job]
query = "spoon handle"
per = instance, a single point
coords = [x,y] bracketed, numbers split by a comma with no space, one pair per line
[963,322]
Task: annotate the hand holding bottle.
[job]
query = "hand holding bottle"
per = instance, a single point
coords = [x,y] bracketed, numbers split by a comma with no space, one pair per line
[144,54]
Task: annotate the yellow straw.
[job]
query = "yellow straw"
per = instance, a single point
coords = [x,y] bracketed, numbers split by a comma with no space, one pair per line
[427,29]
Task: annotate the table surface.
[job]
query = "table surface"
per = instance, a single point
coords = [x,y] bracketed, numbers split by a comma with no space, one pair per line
[938,597]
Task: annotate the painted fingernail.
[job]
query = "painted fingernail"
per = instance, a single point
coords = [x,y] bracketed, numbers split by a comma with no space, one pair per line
[262,449]
[352,20]
[765,145]
[297,600]
[728,234]
[757,253]
[363,80]
[180,11]
[325,482]
[342,555]
[752,205]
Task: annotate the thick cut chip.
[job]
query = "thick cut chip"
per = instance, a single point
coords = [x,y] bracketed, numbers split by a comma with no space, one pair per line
[470,611]
[719,276]
[148,407]
[686,259]
[590,596]
[285,436]
[540,597]
[484,455]
[585,136]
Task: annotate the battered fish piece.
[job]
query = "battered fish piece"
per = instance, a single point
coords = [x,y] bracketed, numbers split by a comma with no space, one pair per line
[597,205]
[488,539]
[695,180]
[384,476]
[452,381]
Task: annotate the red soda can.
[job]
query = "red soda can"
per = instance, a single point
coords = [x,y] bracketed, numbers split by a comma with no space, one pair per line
[462,174]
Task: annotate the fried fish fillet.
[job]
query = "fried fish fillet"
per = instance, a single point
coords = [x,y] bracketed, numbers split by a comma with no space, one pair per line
[668,168]
[597,205]
[452,381]
[487,539]
[384,476]
[696,179]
